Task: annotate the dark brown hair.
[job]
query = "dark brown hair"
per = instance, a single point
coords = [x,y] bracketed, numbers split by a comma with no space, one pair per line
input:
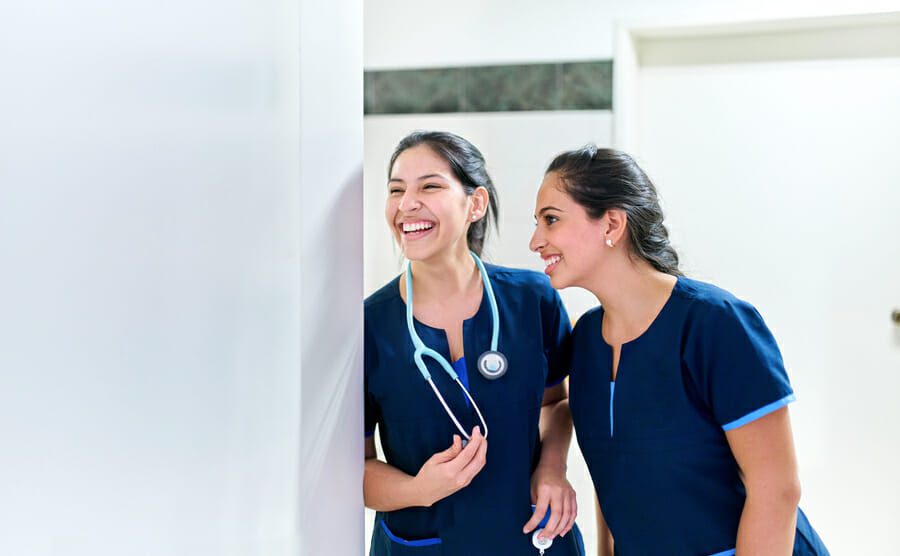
[602,179]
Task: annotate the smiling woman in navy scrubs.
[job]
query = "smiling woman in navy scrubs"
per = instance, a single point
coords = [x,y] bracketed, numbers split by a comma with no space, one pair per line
[434,493]
[678,391]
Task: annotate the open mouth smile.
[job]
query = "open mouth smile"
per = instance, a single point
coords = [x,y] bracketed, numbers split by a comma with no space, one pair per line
[416,230]
[550,263]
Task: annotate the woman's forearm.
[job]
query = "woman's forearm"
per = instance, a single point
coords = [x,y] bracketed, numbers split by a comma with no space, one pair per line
[386,488]
[768,522]
[556,432]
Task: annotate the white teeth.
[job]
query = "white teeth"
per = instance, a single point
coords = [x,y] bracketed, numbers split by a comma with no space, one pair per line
[417,226]
[551,260]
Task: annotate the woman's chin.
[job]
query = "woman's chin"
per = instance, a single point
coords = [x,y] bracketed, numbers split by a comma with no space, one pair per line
[558,281]
[416,252]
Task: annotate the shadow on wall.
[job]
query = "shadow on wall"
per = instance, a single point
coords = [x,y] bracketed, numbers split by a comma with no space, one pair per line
[331,363]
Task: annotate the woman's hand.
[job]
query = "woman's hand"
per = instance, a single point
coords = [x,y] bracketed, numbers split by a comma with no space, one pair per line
[451,470]
[551,490]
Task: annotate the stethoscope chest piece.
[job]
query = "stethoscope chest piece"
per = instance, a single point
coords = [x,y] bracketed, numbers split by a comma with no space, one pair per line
[540,544]
[492,365]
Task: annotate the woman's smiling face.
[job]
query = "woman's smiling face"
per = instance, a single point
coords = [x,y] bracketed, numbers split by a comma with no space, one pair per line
[567,239]
[427,208]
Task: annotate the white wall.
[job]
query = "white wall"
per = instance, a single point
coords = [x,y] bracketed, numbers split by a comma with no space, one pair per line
[151,308]
[415,33]
[331,435]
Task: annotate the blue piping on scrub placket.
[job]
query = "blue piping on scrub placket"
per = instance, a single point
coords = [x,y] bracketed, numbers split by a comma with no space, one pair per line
[612,395]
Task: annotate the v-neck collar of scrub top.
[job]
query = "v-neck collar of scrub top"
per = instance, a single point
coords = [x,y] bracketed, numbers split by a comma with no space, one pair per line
[642,337]
[439,335]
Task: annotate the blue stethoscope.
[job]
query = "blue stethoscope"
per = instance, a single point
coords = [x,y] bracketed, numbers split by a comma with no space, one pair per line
[491,364]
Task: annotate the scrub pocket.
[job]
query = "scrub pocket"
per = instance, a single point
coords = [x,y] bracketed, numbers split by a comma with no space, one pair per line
[386,543]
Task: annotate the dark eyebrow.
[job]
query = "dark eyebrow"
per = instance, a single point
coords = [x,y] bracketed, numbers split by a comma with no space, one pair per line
[545,209]
[421,178]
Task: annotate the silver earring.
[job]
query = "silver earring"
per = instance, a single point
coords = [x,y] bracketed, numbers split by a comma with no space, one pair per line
[474,217]
[609,243]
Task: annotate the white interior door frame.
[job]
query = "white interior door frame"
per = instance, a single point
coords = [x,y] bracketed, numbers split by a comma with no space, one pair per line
[800,38]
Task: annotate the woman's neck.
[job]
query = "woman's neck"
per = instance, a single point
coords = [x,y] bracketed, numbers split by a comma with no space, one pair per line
[632,294]
[445,275]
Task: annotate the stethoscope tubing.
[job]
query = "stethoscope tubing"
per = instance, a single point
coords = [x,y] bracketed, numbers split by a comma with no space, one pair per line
[421,350]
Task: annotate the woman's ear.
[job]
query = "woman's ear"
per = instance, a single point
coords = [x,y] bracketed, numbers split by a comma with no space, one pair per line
[480,199]
[616,220]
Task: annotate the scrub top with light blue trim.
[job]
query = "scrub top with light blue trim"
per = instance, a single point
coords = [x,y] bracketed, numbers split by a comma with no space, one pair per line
[654,439]
[486,517]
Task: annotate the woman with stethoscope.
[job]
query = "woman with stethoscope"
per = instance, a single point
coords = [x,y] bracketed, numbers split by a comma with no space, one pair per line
[464,364]
[678,390]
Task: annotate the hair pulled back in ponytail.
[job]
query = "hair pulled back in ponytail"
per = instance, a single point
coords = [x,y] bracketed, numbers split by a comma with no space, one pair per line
[602,179]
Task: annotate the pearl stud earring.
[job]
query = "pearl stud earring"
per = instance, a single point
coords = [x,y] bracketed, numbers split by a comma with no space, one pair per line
[609,243]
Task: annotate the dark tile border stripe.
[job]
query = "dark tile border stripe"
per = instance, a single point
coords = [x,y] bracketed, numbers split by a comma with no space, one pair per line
[509,88]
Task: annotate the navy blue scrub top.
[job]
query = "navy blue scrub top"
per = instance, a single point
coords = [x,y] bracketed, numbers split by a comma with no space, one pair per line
[654,439]
[487,516]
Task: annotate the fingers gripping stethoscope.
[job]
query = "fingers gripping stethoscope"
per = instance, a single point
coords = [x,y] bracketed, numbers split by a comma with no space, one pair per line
[541,544]
[491,364]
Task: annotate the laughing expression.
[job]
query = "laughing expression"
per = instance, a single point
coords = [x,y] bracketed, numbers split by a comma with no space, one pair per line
[426,206]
